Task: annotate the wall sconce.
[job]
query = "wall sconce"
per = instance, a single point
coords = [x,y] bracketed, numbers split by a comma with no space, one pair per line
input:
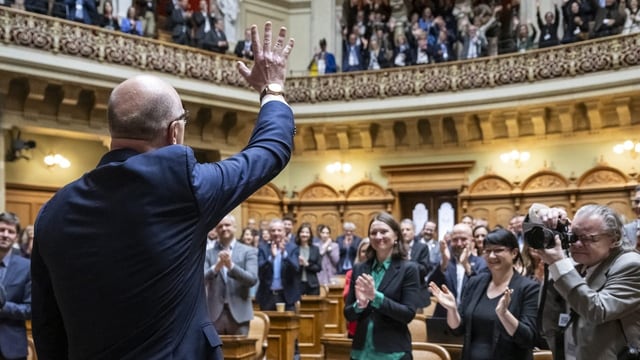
[516,157]
[57,159]
[338,167]
[633,148]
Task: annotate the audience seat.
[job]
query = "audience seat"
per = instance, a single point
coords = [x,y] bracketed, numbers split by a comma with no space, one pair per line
[429,351]
[259,329]
[418,328]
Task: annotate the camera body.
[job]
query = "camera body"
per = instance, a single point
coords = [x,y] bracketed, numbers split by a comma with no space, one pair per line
[538,236]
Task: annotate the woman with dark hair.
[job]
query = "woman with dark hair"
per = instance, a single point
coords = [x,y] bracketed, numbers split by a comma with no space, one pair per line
[383,298]
[498,310]
[132,24]
[479,234]
[109,20]
[309,261]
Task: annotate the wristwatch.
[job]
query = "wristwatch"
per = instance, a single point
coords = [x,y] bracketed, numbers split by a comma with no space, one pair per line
[272,89]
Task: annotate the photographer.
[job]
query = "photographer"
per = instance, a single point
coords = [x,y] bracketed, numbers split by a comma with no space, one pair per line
[591,299]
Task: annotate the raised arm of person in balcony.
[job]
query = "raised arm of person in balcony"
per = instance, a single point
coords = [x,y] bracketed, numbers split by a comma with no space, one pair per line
[136,226]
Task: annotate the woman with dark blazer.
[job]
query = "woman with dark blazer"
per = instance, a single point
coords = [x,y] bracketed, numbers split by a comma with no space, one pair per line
[383,298]
[309,261]
[498,309]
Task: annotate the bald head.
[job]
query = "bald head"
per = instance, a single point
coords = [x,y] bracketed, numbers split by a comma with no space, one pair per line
[143,108]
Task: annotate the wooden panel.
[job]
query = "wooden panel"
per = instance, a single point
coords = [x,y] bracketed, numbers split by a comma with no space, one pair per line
[26,203]
[313,314]
[283,331]
[335,324]
[238,347]
[336,348]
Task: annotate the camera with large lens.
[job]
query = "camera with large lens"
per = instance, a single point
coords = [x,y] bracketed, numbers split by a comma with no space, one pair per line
[538,236]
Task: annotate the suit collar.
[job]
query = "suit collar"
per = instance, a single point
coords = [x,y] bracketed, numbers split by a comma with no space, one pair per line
[598,277]
[118,155]
[389,275]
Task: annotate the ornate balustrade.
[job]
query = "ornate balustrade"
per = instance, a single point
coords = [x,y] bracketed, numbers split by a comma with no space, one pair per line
[55,35]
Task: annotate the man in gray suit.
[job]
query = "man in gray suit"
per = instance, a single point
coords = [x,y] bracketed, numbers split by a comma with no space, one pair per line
[602,311]
[230,269]
[632,229]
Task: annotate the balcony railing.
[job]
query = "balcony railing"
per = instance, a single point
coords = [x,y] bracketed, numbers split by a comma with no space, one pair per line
[55,35]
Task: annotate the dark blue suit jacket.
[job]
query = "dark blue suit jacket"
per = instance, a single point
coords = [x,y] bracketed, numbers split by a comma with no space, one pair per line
[347,253]
[17,309]
[117,265]
[290,267]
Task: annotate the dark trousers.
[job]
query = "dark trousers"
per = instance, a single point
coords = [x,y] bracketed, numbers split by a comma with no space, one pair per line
[276,296]
[309,290]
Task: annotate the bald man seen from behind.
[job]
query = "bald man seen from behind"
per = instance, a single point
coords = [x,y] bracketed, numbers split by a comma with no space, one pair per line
[118,255]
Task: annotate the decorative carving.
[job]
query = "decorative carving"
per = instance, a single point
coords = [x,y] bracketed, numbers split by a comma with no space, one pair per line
[490,184]
[318,192]
[603,178]
[267,192]
[57,35]
[546,181]
[368,191]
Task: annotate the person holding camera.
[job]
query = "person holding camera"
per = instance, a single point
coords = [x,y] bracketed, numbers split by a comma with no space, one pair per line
[600,318]
[498,311]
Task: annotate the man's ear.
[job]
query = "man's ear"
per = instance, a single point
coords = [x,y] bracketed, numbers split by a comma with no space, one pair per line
[172,133]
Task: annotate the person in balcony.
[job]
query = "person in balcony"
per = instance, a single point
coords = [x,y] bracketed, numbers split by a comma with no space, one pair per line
[37,6]
[443,50]
[548,28]
[83,11]
[181,23]
[474,43]
[108,20]
[352,59]
[609,20]
[576,26]
[216,39]
[525,39]
[131,24]
[632,23]
[203,22]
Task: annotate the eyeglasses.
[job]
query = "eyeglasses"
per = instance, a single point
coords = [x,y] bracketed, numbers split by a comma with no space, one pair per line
[585,238]
[184,117]
[495,251]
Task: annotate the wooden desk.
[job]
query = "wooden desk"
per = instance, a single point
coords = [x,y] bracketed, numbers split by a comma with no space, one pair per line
[335,324]
[238,347]
[336,348]
[313,314]
[282,334]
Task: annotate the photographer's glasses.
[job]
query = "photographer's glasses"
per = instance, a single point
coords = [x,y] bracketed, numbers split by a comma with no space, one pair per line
[585,238]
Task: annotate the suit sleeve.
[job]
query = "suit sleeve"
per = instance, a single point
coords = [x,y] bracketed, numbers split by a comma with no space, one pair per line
[615,300]
[249,276]
[19,310]
[48,329]
[223,185]
[526,332]
[314,261]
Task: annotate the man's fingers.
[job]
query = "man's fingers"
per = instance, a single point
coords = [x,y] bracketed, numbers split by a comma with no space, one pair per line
[287,49]
[255,40]
[267,37]
[281,39]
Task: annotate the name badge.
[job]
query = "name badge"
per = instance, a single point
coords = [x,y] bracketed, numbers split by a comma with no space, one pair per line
[547,36]
[563,320]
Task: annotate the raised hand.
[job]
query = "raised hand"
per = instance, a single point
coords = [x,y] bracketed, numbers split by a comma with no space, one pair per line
[270,61]
[503,303]
[443,296]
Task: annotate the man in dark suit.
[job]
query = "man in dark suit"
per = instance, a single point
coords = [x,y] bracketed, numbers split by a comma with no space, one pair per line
[348,244]
[15,291]
[278,265]
[181,23]
[456,263]
[243,47]
[216,39]
[418,252]
[118,259]
[203,23]
[230,270]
